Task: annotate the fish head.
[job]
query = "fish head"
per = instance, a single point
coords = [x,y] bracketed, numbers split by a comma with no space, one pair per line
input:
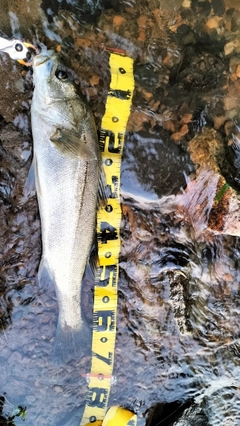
[52,80]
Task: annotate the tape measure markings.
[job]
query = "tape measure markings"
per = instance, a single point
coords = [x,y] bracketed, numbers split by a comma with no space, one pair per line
[108,232]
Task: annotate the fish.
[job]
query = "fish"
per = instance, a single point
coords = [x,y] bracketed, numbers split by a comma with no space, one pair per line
[68,176]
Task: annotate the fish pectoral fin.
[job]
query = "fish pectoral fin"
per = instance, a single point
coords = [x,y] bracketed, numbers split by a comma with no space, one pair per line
[71,145]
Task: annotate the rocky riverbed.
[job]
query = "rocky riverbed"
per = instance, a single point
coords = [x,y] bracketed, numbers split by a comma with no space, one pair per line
[177,351]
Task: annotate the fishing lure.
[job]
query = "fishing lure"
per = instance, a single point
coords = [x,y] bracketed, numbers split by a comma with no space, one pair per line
[17,50]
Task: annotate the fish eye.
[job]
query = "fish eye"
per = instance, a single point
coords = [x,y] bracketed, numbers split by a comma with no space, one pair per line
[61,75]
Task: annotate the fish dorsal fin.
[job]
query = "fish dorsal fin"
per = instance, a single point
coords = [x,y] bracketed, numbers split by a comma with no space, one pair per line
[71,145]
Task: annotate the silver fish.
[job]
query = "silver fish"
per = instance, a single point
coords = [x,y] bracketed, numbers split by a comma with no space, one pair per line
[67,171]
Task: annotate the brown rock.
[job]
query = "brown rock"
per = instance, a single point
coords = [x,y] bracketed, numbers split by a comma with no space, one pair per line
[219,121]
[118,20]
[158,17]
[238,71]
[147,95]
[169,125]
[228,127]
[205,148]
[232,4]
[142,21]
[211,202]
[154,104]
[179,135]
[187,3]
[213,22]
[230,47]
[230,102]
[233,63]
[186,118]
[94,80]
[137,120]
[82,42]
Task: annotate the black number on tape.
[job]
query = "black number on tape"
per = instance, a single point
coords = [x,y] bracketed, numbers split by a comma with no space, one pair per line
[107,233]
[97,397]
[103,321]
[107,361]
[110,273]
[107,137]
[120,94]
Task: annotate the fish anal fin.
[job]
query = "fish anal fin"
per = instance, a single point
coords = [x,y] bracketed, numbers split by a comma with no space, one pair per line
[45,278]
[30,184]
[73,146]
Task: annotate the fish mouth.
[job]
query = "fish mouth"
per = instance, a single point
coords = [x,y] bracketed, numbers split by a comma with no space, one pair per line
[42,58]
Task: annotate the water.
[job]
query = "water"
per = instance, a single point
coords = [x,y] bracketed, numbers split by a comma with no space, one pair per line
[177,350]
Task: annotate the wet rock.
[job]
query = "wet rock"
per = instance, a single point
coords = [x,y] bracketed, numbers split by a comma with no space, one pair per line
[58,389]
[30,399]
[141,149]
[147,74]
[204,8]
[218,7]
[14,358]
[193,416]
[176,282]
[218,204]
[186,3]
[17,231]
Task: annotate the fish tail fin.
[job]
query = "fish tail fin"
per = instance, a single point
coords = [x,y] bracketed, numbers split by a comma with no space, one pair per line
[70,343]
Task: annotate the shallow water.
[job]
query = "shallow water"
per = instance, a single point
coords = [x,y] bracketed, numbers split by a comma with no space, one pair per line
[177,350]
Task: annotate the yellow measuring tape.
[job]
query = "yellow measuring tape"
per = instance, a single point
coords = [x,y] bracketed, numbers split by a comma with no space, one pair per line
[114,124]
